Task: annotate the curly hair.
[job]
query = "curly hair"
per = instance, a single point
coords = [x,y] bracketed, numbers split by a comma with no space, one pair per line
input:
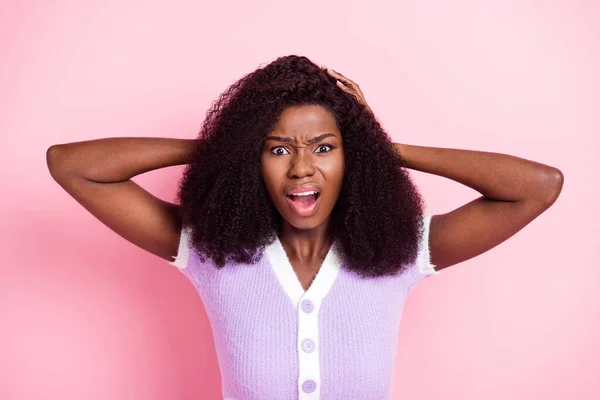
[377,219]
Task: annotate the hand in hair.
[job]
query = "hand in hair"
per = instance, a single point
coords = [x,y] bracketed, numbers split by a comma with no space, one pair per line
[348,86]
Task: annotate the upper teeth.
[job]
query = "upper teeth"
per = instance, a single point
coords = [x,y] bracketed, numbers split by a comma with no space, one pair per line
[304,193]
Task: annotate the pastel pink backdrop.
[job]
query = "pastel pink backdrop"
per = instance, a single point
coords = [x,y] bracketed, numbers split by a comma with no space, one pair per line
[86,315]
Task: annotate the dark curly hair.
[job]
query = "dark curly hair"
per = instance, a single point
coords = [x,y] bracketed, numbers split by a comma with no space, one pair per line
[377,219]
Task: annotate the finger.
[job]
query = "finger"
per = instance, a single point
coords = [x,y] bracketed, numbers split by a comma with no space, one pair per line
[349,89]
[347,81]
[345,88]
[335,74]
[342,84]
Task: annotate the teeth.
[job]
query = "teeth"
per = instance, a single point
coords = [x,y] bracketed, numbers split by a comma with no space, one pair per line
[304,193]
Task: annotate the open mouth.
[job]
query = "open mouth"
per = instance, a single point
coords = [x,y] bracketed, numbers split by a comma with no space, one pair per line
[304,204]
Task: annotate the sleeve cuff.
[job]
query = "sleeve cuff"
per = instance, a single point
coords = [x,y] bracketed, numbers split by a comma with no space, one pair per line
[183,252]
[424,258]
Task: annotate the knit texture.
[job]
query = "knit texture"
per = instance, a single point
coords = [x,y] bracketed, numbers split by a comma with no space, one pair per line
[256,328]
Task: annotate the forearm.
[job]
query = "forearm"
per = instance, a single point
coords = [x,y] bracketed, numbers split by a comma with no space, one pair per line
[496,176]
[117,159]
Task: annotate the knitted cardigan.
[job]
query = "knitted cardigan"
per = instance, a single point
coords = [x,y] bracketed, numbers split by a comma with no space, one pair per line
[274,340]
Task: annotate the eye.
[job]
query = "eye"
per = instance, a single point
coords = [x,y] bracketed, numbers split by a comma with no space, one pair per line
[275,151]
[326,146]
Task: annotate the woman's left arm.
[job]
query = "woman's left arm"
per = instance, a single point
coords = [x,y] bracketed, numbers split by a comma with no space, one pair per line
[514,192]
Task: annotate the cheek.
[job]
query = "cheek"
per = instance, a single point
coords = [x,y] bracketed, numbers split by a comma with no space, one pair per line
[334,169]
[270,177]
[266,169]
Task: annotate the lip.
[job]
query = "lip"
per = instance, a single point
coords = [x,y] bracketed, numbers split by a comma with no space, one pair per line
[303,188]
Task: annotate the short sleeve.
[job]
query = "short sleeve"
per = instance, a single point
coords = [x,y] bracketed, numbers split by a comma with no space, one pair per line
[183,252]
[424,258]
[422,267]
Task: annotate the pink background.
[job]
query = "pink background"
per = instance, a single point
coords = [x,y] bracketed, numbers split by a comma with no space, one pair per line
[86,315]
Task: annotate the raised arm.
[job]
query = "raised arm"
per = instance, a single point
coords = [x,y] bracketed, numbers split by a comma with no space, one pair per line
[514,192]
[97,174]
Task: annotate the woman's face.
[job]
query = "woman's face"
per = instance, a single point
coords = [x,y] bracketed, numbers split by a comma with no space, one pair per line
[304,148]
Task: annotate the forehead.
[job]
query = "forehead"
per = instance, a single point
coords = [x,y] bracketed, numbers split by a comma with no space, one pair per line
[303,120]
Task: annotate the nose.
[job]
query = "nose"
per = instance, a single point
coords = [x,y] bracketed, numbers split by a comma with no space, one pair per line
[302,165]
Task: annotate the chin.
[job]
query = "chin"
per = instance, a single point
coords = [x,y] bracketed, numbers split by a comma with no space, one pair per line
[312,222]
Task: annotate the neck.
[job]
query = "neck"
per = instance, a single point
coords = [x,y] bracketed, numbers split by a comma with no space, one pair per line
[306,244]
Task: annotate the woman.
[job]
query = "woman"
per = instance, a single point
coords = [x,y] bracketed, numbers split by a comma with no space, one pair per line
[299,226]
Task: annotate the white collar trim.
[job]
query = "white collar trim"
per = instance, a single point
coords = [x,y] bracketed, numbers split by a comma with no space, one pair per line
[288,279]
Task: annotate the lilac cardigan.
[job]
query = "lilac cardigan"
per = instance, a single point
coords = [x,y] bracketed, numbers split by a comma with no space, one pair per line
[337,340]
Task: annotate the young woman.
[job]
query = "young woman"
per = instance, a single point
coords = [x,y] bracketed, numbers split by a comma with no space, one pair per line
[299,226]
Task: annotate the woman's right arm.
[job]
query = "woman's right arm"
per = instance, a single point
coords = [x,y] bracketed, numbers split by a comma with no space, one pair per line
[97,174]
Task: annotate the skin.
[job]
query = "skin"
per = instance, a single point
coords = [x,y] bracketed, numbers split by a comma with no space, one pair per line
[289,159]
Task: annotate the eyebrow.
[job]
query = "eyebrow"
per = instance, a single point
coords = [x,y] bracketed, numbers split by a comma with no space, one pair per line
[289,140]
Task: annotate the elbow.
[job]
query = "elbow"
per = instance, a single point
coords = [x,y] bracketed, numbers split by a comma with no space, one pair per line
[553,182]
[54,155]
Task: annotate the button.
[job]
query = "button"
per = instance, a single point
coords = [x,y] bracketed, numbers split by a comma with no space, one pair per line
[307,306]
[308,345]
[309,386]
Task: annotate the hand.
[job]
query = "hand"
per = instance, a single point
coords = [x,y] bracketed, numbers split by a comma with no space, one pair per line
[347,85]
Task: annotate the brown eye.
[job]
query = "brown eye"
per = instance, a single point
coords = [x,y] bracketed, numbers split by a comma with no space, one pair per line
[274,150]
[330,147]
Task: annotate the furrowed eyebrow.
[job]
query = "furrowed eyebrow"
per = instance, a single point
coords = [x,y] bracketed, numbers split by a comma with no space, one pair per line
[289,140]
